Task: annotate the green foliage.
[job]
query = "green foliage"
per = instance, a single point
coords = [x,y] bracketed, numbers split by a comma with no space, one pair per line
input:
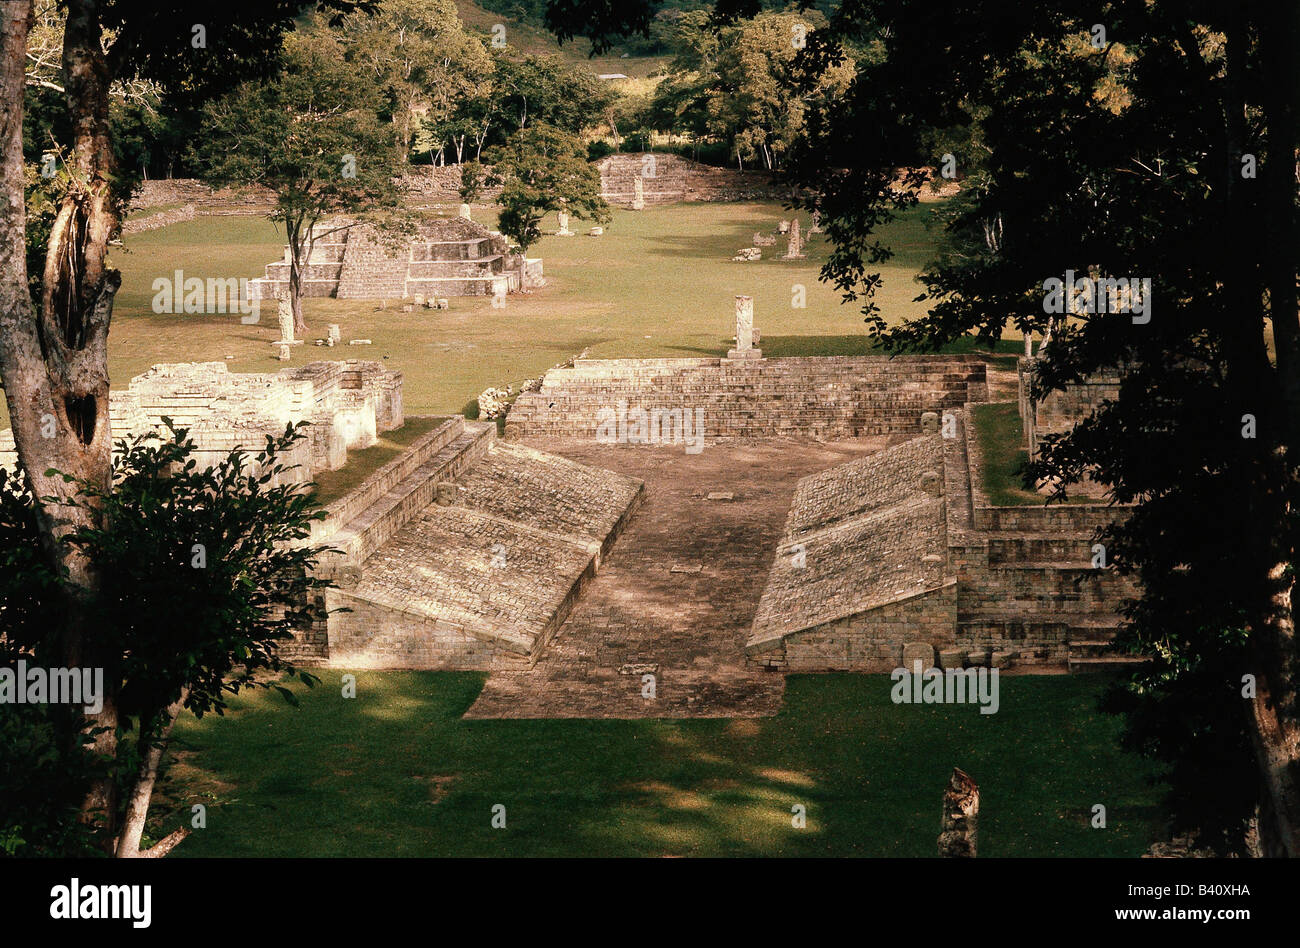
[312,135]
[471,181]
[1112,160]
[204,572]
[544,169]
[736,85]
[421,60]
[219,545]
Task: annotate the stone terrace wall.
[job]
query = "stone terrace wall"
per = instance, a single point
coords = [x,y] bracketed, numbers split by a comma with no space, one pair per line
[139,223]
[836,397]
[666,178]
[887,564]
[1061,410]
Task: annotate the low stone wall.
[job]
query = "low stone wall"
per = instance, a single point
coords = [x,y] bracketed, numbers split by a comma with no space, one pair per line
[834,397]
[142,222]
[1059,411]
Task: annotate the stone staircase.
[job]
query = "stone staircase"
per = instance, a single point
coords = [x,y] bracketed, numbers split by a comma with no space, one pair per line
[663,178]
[839,397]
[454,257]
[1025,574]
[320,274]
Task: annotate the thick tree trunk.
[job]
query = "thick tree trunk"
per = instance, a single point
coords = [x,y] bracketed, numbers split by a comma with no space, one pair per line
[54,362]
[1276,710]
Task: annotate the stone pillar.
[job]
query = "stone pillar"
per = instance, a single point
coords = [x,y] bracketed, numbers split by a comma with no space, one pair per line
[816,227]
[286,322]
[464,212]
[795,249]
[638,194]
[564,225]
[744,330]
[334,334]
[961,807]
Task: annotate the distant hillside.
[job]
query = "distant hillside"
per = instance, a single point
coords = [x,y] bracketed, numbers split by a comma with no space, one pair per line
[531,38]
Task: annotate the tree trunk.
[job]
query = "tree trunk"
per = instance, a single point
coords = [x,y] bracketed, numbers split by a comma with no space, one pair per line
[299,254]
[1276,715]
[137,808]
[54,363]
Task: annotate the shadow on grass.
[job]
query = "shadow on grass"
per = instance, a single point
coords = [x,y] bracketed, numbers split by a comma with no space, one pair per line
[396,771]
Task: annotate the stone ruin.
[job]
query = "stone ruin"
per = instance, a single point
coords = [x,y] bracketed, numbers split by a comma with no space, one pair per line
[450,256]
[897,550]
[345,403]
[745,330]
[794,249]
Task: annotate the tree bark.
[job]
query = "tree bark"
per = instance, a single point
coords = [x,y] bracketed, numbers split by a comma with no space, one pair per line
[54,361]
[137,808]
[1276,715]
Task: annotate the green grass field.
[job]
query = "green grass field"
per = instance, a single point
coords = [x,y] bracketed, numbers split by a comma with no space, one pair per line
[658,284]
[395,771]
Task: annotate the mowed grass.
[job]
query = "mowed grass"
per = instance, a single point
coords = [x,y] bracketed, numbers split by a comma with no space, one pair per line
[331,485]
[1000,432]
[396,771]
[659,283]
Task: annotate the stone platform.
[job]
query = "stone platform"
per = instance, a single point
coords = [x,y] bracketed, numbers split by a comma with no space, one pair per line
[903,547]
[447,257]
[463,553]
[833,397]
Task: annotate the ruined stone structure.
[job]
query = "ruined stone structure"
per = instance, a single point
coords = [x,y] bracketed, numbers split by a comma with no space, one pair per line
[667,178]
[345,403]
[903,546]
[833,397]
[462,553]
[1059,411]
[450,256]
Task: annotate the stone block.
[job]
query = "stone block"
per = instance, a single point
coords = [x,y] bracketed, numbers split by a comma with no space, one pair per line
[951,658]
[977,658]
[930,422]
[1003,659]
[922,652]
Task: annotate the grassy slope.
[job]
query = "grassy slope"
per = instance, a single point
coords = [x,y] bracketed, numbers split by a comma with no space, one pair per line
[531,40]
[1001,438]
[395,771]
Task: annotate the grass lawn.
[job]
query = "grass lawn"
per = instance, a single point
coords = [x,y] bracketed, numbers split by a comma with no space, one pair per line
[395,771]
[1001,438]
[658,284]
[331,485]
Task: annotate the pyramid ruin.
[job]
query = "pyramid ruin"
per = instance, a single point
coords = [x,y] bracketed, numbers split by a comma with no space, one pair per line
[449,256]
